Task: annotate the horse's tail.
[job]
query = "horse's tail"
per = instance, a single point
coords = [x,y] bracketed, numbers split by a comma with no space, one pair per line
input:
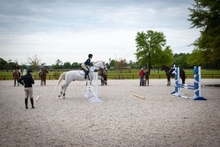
[183,77]
[61,78]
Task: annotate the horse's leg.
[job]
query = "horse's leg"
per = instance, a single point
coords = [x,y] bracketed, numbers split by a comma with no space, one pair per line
[105,80]
[61,92]
[64,89]
[102,81]
[168,81]
[14,82]
[183,77]
[17,82]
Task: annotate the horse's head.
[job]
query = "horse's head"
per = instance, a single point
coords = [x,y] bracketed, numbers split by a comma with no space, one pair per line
[100,65]
[163,67]
[45,70]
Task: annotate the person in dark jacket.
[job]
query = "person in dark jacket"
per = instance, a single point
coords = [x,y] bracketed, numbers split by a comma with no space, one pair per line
[27,80]
[146,77]
[86,65]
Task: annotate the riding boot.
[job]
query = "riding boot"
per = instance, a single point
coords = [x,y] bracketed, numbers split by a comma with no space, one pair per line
[88,75]
[26,103]
[32,102]
[85,74]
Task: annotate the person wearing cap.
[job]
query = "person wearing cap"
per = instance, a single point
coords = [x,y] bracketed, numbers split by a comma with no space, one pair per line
[86,65]
[141,74]
[27,80]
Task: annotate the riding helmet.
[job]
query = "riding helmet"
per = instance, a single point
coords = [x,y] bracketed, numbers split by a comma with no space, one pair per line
[90,55]
[29,70]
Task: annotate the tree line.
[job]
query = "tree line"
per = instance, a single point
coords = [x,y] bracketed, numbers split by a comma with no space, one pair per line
[181,60]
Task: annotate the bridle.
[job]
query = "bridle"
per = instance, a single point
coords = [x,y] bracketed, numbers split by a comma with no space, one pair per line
[103,63]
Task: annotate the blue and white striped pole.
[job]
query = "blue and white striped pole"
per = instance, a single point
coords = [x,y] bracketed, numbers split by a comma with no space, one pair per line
[197,84]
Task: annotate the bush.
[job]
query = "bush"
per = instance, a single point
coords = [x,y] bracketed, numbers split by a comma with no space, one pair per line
[56,75]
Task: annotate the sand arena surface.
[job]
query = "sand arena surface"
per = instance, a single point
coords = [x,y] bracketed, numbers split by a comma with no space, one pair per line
[161,119]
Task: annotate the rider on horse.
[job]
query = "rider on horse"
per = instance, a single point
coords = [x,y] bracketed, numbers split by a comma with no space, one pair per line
[172,69]
[86,65]
[16,67]
[41,68]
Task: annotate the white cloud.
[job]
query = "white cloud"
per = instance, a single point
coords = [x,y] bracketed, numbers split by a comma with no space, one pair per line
[69,31]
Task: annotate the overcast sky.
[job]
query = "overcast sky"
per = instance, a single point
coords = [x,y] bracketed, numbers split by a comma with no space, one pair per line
[69,30]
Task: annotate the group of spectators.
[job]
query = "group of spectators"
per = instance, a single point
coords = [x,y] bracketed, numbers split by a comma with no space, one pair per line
[144,76]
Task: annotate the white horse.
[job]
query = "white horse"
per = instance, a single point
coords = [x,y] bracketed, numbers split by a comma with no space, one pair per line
[78,76]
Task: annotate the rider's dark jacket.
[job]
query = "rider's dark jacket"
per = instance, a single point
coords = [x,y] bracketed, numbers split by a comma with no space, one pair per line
[26,80]
[88,62]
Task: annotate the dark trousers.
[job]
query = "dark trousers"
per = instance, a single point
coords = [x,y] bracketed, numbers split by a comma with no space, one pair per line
[141,81]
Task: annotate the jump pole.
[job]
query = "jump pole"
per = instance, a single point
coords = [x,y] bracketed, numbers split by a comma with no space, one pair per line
[196,87]
[138,96]
[92,92]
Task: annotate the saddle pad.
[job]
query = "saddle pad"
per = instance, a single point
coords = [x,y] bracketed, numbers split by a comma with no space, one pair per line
[81,72]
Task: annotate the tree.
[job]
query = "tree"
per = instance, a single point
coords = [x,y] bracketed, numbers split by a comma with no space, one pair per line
[181,60]
[112,63]
[151,48]
[75,65]
[67,65]
[58,65]
[3,64]
[205,15]
[34,61]
[120,64]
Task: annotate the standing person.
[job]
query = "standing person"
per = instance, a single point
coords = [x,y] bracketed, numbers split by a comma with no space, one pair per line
[86,65]
[141,74]
[146,76]
[27,80]
[16,67]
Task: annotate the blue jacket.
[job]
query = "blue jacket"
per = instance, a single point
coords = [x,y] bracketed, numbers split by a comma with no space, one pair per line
[41,67]
[88,62]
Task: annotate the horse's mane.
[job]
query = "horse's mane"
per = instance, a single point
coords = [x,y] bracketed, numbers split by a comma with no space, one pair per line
[98,61]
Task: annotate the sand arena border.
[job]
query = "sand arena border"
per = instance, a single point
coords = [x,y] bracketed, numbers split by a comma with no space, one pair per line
[160,119]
